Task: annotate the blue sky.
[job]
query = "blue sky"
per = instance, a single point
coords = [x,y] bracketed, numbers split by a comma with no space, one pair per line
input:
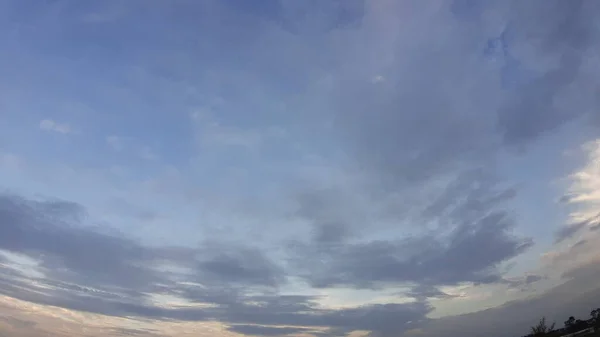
[297,168]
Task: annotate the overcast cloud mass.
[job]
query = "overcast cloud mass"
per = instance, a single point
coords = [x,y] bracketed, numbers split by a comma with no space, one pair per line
[298,168]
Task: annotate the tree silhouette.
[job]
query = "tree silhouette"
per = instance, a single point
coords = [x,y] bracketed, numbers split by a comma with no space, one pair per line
[570,324]
[541,329]
[596,318]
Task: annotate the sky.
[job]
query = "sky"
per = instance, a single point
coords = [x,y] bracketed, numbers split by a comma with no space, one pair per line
[303,168]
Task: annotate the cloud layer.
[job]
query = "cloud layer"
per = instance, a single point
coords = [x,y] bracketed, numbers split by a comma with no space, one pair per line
[329,168]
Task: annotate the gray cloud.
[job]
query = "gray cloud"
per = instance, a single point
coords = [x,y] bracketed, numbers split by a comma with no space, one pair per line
[45,231]
[576,298]
[132,332]
[248,266]
[469,197]
[523,283]
[384,319]
[470,238]
[568,231]
[416,126]
[567,33]
[92,271]
[53,233]
[328,214]
[437,111]
[231,274]
[424,292]
[257,330]
[413,129]
[470,253]
[533,278]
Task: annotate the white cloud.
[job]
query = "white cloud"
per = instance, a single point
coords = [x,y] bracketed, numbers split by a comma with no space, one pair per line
[584,198]
[584,190]
[50,125]
[115,142]
[378,79]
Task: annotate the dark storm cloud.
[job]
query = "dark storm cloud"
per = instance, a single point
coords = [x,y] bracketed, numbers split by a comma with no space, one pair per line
[470,253]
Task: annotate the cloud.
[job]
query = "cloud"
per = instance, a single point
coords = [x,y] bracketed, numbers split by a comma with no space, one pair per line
[87,270]
[45,230]
[576,298]
[248,266]
[584,188]
[256,330]
[131,332]
[415,129]
[384,319]
[523,283]
[470,253]
[463,234]
[533,278]
[566,35]
[90,270]
[570,230]
[583,201]
[422,126]
[427,148]
[424,292]
[115,142]
[50,125]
